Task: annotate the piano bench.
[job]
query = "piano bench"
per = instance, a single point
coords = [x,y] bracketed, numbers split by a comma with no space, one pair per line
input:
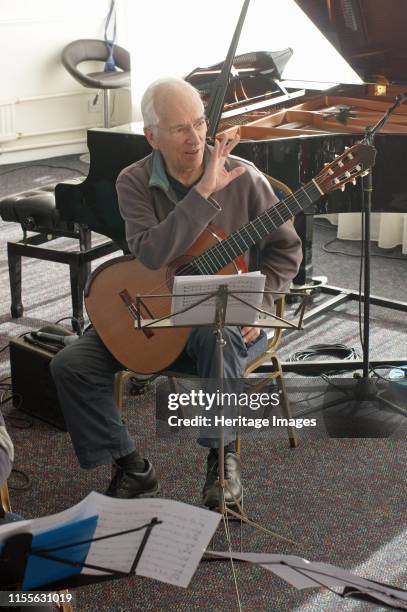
[36,212]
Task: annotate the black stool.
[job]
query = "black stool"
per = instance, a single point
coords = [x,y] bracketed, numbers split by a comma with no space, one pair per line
[36,212]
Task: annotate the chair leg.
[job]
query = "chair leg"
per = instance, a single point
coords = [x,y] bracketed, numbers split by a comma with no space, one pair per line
[238,442]
[5,498]
[175,388]
[14,269]
[118,391]
[285,404]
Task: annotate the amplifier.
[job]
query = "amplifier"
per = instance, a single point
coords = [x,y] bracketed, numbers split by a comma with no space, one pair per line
[33,388]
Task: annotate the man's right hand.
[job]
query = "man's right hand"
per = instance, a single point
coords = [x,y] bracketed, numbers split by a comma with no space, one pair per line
[216,177]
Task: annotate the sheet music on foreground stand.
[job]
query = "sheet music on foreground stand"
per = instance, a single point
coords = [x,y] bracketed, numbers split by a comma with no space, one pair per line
[171,554]
[188,289]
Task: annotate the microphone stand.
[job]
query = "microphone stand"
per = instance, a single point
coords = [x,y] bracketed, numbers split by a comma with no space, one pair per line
[366,388]
[367,186]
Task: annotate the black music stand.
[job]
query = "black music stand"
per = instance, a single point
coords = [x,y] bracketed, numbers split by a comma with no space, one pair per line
[18,549]
[221,296]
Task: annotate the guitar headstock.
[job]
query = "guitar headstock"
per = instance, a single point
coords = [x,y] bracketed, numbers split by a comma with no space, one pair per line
[345,168]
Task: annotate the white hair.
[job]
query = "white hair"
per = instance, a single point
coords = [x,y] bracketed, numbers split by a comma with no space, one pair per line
[150,117]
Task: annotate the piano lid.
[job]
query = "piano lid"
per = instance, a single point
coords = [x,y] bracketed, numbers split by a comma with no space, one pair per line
[259,78]
[278,24]
[275,25]
[199,36]
[370,34]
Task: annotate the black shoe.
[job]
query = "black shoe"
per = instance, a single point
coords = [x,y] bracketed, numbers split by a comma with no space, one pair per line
[211,493]
[128,485]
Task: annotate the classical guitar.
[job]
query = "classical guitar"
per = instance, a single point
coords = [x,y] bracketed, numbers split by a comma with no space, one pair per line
[110,295]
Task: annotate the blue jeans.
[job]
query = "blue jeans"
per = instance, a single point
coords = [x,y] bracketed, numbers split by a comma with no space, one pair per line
[84,377]
[202,349]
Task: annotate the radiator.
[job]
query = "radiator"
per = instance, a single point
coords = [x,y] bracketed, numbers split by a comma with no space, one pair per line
[7,121]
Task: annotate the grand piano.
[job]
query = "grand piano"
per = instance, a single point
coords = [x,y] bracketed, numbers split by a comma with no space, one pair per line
[288,131]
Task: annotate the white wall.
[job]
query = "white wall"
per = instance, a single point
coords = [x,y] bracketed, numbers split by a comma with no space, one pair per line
[43,110]
[172,37]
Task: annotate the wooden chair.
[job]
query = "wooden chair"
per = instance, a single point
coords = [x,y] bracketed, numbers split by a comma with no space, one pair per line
[5,498]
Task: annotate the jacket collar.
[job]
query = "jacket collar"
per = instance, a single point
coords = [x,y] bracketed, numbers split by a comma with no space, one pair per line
[159,177]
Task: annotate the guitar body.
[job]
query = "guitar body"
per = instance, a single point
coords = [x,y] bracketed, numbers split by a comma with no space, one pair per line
[143,351]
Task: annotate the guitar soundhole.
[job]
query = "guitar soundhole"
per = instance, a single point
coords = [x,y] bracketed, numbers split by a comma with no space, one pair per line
[187,270]
[182,266]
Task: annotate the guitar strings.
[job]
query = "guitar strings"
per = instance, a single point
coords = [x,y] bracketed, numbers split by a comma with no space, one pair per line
[273,219]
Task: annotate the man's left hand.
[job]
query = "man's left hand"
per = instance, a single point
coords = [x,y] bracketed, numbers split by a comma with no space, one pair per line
[216,177]
[249,334]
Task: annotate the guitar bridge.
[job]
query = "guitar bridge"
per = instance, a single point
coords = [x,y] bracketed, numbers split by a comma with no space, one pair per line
[135,313]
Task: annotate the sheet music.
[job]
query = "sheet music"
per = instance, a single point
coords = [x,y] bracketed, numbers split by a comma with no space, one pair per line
[174,548]
[319,574]
[237,313]
[80,510]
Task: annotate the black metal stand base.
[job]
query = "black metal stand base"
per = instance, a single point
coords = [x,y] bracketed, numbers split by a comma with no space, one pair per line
[361,410]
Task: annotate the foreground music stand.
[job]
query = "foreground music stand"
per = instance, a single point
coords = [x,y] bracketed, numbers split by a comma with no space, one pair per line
[18,548]
[270,321]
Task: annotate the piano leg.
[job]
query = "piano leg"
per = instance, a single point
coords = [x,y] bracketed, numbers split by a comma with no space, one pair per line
[14,268]
[85,244]
[78,272]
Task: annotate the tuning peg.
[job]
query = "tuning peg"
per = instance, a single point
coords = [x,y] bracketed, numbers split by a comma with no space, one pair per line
[342,187]
[353,181]
[365,173]
[346,148]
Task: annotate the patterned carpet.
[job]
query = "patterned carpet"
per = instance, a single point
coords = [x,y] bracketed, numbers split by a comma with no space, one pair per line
[341,500]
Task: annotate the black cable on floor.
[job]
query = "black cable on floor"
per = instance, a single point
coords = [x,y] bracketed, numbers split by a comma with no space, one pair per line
[402,258]
[26,481]
[340,351]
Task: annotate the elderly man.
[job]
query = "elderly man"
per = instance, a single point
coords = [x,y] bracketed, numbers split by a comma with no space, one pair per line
[167,199]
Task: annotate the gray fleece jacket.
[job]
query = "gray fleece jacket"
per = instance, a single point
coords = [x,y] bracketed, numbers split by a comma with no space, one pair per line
[159,228]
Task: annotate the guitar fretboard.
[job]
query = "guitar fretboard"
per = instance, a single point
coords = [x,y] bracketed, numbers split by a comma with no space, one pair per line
[218,256]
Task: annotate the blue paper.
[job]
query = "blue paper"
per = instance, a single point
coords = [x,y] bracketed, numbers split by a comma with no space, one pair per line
[40,571]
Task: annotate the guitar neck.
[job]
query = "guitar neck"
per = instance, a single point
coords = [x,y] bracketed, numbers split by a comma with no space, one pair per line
[218,256]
